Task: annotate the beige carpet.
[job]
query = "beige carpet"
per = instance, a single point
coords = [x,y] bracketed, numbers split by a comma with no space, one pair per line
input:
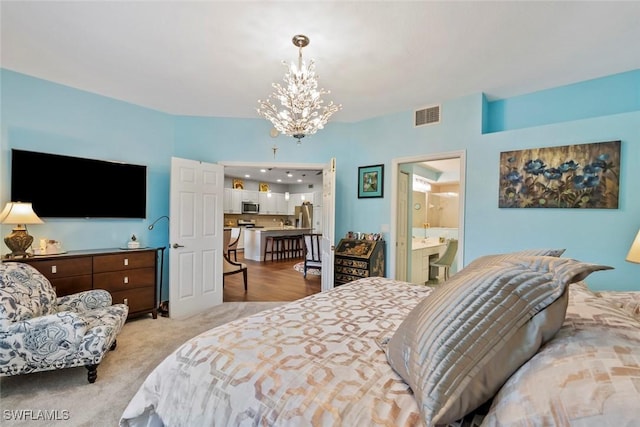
[66,395]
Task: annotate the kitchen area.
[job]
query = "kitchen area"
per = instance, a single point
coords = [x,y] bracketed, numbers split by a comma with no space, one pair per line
[266,210]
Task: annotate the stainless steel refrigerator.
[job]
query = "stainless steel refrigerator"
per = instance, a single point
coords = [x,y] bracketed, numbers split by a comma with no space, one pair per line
[304,215]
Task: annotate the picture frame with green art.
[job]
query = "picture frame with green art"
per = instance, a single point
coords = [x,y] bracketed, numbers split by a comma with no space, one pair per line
[370,181]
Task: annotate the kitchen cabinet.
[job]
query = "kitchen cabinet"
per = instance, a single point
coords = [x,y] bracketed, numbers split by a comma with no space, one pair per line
[232,201]
[355,259]
[272,204]
[282,206]
[267,204]
[317,198]
[307,197]
[250,196]
[294,200]
[317,219]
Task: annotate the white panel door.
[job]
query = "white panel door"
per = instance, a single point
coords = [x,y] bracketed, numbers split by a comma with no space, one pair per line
[195,255]
[402,240]
[328,224]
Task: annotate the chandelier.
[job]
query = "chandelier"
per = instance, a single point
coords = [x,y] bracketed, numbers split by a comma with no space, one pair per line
[303,112]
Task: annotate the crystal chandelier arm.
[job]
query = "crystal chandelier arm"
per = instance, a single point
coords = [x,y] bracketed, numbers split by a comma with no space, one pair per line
[303,112]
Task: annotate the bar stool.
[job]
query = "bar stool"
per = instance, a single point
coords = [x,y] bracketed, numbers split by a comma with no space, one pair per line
[281,247]
[268,247]
[296,246]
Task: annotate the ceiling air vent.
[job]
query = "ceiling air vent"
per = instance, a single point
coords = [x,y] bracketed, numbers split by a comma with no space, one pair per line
[427,116]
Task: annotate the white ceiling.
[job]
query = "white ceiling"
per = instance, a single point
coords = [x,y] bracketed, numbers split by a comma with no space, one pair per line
[276,175]
[217,58]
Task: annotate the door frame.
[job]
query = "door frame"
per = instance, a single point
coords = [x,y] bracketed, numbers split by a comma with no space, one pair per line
[395,170]
[315,166]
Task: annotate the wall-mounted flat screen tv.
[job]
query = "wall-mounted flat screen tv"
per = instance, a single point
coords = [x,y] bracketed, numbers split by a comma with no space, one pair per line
[72,187]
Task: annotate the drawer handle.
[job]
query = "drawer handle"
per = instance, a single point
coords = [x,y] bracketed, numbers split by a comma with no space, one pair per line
[126,302]
[126,261]
[126,279]
[54,269]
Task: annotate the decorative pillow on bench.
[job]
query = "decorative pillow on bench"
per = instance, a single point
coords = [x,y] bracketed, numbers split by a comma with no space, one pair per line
[463,341]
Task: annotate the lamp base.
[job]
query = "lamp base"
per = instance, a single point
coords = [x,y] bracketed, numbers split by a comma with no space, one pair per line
[18,241]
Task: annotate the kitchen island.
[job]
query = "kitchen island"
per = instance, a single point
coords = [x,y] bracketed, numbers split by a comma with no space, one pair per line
[255,239]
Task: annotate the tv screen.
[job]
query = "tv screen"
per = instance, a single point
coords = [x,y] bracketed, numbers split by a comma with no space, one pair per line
[72,187]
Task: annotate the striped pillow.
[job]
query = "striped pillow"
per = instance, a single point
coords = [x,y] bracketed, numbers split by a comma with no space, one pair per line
[463,341]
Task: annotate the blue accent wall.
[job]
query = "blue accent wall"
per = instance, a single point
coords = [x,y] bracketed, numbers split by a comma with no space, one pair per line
[616,94]
[45,116]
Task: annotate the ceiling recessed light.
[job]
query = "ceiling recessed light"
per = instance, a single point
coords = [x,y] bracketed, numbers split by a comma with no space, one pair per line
[279,180]
[299,180]
[263,170]
[247,176]
[289,174]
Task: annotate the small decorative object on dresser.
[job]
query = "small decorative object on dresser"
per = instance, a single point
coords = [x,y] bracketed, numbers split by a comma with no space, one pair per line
[134,243]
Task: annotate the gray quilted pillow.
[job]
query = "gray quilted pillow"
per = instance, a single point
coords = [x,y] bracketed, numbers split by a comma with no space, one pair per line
[463,341]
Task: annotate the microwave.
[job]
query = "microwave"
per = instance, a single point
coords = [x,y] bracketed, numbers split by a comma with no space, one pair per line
[250,208]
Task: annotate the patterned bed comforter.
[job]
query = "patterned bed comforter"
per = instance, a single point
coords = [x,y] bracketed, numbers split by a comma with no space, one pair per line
[314,361]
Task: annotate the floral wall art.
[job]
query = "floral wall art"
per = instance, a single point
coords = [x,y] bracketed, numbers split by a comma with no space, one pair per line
[571,176]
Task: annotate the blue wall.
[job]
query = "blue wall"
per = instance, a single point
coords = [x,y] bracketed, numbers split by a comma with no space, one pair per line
[44,116]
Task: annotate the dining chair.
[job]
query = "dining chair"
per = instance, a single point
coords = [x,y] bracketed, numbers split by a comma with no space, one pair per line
[233,245]
[312,255]
[231,267]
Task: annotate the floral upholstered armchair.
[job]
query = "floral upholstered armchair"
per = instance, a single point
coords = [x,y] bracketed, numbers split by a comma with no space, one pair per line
[40,332]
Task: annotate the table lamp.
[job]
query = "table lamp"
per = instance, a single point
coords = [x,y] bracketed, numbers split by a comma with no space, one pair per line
[19,240]
[634,251]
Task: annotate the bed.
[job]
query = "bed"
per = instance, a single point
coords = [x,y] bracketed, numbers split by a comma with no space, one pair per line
[506,330]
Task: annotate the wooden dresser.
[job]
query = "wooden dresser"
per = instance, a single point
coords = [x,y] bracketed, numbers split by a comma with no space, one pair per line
[355,259]
[129,275]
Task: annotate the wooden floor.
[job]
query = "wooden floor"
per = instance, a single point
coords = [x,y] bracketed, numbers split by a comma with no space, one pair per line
[270,281]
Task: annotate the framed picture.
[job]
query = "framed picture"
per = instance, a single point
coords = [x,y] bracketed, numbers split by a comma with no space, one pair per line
[583,176]
[370,181]
[238,184]
[264,187]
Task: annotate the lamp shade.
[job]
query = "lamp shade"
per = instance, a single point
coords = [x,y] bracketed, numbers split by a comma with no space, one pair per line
[5,211]
[19,213]
[634,252]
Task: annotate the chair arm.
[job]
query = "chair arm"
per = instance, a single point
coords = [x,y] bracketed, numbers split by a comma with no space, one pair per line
[84,301]
[233,263]
[43,339]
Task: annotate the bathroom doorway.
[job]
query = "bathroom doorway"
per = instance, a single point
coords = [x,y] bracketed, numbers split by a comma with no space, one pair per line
[427,210]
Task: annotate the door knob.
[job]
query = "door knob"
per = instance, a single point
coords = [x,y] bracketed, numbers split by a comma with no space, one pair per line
[176,246]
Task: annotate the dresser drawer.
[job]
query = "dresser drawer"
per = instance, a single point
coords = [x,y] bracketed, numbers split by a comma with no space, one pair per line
[124,261]
[138,300]
[53,269]
[114,281]
[71,285]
